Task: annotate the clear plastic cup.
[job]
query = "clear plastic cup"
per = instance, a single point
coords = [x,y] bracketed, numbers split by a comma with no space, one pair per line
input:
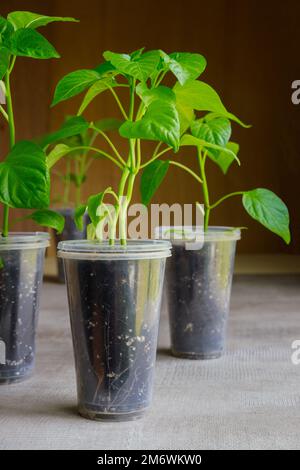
[21,274]
[70,232]
[114,301]
[197,291]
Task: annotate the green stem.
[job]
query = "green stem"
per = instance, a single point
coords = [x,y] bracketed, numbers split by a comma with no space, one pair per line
[92,149]
[123,217]
[4,113]
[132,96]
[129,171]
[139,155]
[160,78]
[78,167]
[132,142]
[188,170]
[12,139]
[67,183]
[109,143]
[88,163]
[10,112]
[12,64]
[155,156]
[5,220]
[237,193]
[121,189]
[119,103]
[207,207]
[78,195]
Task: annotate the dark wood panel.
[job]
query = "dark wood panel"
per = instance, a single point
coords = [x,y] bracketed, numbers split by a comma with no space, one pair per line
[252,52]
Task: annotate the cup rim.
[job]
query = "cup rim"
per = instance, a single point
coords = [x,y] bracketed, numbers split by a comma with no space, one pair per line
[134,249]
[214,233]
[24,240]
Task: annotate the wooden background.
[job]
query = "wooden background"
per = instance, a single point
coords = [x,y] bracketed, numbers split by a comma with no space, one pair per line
[252,48]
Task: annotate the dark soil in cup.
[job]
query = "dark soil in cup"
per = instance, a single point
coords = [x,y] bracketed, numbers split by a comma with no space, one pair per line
[197,296]
[20,281]
[114,310]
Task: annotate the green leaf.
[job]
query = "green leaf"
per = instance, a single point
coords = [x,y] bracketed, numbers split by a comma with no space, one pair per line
[6,30]
[73,126]
[91,232]
[106,69]
[162,93]
[24,177]
[190,140]
[1,262]
[160,123]
[74,83]
[30,43]
[58,152]
[93,203]
[4,60]
[224,159]
[137,53]
[215,131]
[26,19]
[268,209]
[78,216]
[139,66]
[202,97]
[48,218]
[184,65]
[95,90]
[152,177]
[186,116]
[108,124]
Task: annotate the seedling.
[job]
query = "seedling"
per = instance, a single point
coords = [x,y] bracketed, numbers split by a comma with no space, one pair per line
[78,159]
[167,115]
[24,173]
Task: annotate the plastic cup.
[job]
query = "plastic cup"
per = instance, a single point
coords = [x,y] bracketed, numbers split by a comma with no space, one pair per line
[197,293]
[21,274]
[114,301]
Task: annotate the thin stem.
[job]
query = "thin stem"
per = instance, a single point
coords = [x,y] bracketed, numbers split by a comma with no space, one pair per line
[207,207]
[85,162]
[188,170]
[132,142]
[123,218]
[140,111]
[12,139]
[109,143]
[160,77]
[157,149]
[78,169]
[67,183]
[155,156]
[121,189]
[119,103]
[139,155]
[216,204]
[93,149]
[10,112]
[5,220]
[2,110]
[132,96]
[88,164]
[12,64]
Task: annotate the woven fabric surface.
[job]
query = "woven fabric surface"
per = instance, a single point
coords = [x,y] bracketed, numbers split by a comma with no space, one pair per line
[249,399]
